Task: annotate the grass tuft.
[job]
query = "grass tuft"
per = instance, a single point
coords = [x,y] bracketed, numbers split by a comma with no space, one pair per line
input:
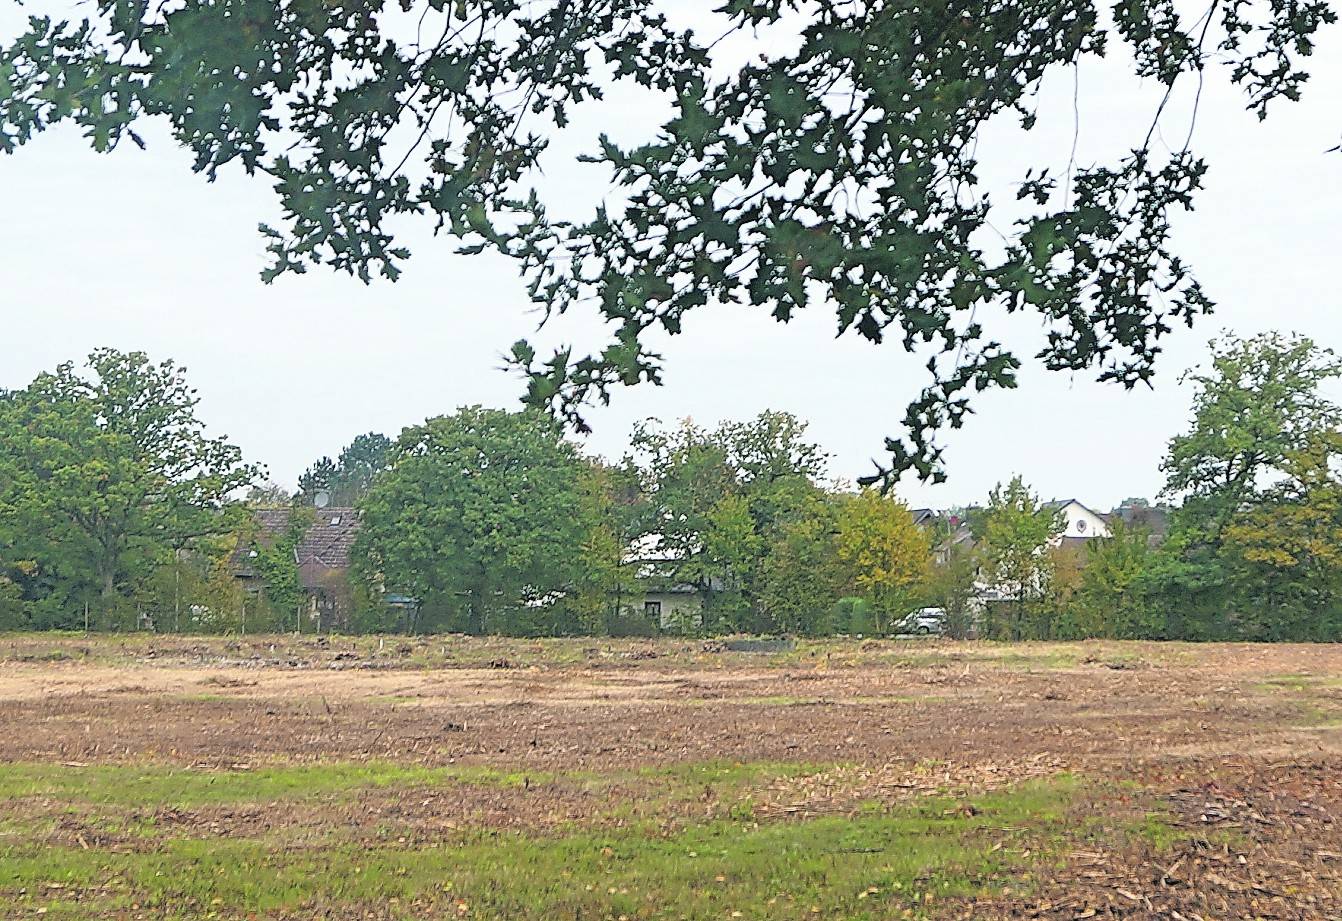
[865,866]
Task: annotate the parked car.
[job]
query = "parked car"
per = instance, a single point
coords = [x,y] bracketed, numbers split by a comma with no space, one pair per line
[923,621]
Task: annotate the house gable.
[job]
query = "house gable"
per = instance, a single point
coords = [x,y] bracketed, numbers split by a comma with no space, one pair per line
[1079,521]
[322,554]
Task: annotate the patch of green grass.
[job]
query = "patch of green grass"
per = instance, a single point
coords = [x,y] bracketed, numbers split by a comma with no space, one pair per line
[1314,714]
[863,867]
[1287,683]
[699,774]
[1297,683]
[1157,828]
[1310,698]
[1045,657]
[122,793]
[140,785]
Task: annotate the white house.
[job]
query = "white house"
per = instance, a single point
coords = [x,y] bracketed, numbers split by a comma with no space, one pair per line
[1080,523]
[656,594]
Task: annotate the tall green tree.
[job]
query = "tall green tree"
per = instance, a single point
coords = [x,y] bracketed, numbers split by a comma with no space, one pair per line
[317,478]
[1259,405]
[683,474]
[714,500]
[349,477]
[952,586]
[1112,600]
[596,597]
[479,517]
[732,551]
[106,475]
[840,168]
[1286,551]
[1016,531]
[801,578]
[1260,418]
[772,448]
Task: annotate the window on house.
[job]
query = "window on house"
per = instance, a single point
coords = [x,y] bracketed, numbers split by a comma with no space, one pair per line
[335,520]
[652,609]
[1081,527]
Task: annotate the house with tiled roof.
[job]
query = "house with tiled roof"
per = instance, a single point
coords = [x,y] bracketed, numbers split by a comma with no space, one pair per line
[321,555]
[1152,519]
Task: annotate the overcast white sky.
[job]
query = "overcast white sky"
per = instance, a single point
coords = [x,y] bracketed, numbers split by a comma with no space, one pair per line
[133,250]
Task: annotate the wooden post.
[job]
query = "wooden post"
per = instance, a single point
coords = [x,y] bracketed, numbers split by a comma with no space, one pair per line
[177,590]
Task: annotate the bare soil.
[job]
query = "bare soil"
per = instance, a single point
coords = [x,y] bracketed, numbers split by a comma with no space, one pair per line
[1233,743]
[1085,707]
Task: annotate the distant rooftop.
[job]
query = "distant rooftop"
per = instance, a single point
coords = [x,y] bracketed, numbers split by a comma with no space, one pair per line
[327,541]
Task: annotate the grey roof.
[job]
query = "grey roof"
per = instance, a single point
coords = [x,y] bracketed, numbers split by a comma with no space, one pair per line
[330,538]
[327,541]
[1154,519]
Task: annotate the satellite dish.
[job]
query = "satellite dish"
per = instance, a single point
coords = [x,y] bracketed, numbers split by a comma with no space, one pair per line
[321,499]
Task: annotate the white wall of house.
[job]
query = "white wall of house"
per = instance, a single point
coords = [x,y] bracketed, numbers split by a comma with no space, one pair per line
[674,611]
[1082,522]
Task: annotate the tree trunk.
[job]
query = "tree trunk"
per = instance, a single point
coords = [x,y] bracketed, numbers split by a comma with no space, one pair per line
[177,591]
[107,590]
[477,612]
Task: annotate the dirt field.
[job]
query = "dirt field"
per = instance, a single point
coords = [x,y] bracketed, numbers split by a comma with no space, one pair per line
[151,777]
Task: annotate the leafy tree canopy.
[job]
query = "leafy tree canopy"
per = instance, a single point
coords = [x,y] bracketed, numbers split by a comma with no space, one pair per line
[1254,546]
[1287,549]
[1257,411]
[1111,599]
[800,578]
[478,514]
[1017,529]
[884,556]
[268,495]
[103,474]
[348,477]
[714,497]
[841,168]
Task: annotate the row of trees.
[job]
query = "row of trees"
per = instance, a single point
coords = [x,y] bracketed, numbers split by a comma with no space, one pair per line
[117,509]
[492,521]
[1254,551]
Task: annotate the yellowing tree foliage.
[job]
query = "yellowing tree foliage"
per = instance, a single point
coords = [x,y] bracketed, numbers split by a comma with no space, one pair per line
[884,555]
